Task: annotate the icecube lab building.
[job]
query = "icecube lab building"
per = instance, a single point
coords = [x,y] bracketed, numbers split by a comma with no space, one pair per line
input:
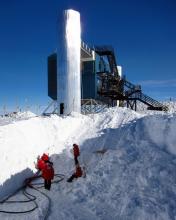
[72,70]
[80,76]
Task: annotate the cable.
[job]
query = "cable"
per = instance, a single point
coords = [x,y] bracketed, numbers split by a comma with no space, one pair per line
[30,197]
[40,185]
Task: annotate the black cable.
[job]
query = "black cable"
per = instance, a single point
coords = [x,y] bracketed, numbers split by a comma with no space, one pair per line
[61,176]
[30,197]
[26,194]
[20,201]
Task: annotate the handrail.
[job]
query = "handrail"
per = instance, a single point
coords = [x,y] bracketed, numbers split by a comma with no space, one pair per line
[136,92]
[86,47]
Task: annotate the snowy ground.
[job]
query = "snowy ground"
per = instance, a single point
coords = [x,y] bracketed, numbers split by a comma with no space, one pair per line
[134,179]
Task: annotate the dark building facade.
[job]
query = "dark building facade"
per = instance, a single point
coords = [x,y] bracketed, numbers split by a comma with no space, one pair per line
[52,76]
[91,64]
[88,84]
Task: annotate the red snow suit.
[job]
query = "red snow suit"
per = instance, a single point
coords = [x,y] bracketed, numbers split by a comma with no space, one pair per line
[40,164]
[48,171]
[78,172]
[41,161]
[76,150]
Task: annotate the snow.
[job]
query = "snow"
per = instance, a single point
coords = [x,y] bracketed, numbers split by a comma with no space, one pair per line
[170,104]
[133,178]
[16,116]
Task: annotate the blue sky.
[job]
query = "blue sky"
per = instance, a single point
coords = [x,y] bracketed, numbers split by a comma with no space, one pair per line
[143,33]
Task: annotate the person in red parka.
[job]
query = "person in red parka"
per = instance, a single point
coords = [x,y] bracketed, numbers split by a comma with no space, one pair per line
[76,153]
[48,174]
[41,161]
[47,170]
[78,173]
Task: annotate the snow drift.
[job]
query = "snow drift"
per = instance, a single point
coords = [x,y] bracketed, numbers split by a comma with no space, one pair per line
[22,141]
[134,177]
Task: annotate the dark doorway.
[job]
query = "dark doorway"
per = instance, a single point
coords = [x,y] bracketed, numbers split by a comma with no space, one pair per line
[61,108]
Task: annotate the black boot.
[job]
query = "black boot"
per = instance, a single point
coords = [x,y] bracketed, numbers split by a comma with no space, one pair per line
[71,178]
[47,184]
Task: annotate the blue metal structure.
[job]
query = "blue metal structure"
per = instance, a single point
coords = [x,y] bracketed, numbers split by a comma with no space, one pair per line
[101,84]
[89,81]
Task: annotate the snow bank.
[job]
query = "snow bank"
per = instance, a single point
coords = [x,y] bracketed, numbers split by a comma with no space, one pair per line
[21,141]
[171,106]
[134,178]
[16,116]
[141,107]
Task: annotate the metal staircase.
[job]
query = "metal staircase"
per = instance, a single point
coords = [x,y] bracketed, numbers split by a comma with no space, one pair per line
[108,51]
[114,87]
[134,92]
